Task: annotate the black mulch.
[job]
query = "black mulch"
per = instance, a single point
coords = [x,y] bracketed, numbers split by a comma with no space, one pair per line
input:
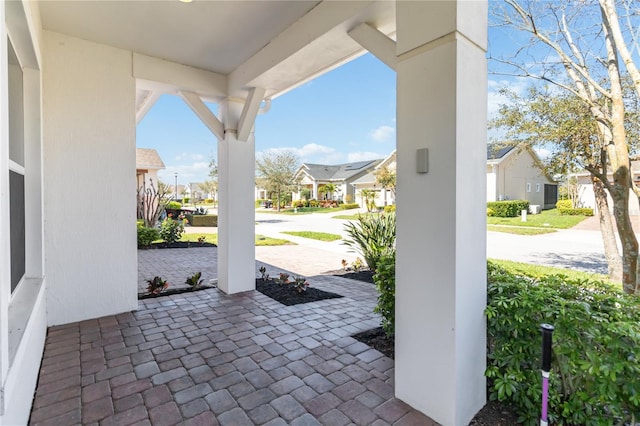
[365,276]
[177,244]
[172,291]
[287,294]
[494,413]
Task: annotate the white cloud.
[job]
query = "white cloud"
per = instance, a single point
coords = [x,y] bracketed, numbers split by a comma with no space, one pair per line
[194,172]
[382,133]
[496,99]
[313,153]
[352,157]
[184,156]
[542,152]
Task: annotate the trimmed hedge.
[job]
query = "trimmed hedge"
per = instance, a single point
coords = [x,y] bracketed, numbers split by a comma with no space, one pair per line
[576,212]
[564,204]
[203,220]
[509,208]
[349,206]
[595,364]
[147,235]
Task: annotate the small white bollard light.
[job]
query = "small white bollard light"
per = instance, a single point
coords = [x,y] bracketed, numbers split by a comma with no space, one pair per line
[524,215]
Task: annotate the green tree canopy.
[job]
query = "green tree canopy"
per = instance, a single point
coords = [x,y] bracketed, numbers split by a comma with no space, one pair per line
[275,172]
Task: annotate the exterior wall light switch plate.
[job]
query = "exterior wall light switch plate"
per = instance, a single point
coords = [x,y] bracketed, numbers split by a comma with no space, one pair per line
[422,160]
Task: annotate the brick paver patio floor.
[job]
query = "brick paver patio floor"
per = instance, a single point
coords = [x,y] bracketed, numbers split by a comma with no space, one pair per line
[206,358]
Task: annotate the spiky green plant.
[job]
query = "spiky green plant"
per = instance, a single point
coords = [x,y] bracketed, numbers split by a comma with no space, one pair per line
[194,280]
[372,237]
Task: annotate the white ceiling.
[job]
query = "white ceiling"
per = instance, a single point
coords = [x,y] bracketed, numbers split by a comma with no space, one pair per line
[267,43]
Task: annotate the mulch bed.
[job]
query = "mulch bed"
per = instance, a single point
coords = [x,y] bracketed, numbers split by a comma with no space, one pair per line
[177,244]
[364,276]
[172,291]
[287,295]
[494,413]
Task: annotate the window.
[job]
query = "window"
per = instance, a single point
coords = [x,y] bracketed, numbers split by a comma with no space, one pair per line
[528,187]
[16,168]
[537,187]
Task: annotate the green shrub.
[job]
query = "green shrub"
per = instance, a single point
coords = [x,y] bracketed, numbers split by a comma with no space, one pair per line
[372,237]
[576,212]
[596,363]
[173,205]
[349,206]
[203,220]
[147,235]
[171,230]
[390,208]
[186,200]
[208,200]
[260,202]
[313,203]
[385,280]
[510,208]
[490,212]
[564,204]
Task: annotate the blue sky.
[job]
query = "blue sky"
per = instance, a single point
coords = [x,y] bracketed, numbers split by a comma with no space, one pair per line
[345,115]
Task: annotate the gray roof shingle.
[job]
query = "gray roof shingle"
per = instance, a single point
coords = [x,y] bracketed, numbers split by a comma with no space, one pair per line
[339,171]
[497,151]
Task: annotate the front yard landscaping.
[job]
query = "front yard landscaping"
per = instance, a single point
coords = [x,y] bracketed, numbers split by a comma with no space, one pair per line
[508,229]
[546,219]
[321,236]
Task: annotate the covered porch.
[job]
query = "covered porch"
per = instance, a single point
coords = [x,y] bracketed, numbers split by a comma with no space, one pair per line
[75,78]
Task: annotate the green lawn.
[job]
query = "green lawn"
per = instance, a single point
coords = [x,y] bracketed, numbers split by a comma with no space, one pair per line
[537,271]
[546,219]
[352,216]
[261,240]
[301,210]
[322,236]
[519,230]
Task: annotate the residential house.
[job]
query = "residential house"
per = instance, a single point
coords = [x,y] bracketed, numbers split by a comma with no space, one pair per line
[586,196]
[148,162]
[77,76]
[314,177]
[383,197]
[515,173]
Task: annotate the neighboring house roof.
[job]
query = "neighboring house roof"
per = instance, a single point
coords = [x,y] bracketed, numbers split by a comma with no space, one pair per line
[323,172]
[368,179]
[148,158]
[498,151]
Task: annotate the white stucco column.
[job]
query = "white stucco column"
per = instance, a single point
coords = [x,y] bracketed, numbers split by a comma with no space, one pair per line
[236,208]
[441,253]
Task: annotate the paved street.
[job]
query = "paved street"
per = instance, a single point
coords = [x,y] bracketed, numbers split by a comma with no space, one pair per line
[580,248]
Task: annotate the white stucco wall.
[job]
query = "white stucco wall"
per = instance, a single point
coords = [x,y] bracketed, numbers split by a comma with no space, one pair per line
[492,178]
[89,174]
[441,258]
[586,197]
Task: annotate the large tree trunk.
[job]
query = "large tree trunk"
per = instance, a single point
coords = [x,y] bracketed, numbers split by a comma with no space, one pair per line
[611,252]
[621,167]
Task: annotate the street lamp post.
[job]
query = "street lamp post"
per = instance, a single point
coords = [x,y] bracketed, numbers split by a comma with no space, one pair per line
[175,193]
